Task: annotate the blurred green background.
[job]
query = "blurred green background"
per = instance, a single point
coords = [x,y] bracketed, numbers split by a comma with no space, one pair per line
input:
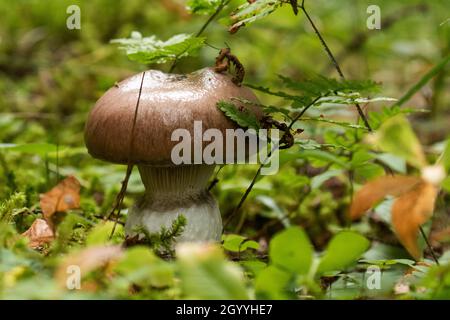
[50,77]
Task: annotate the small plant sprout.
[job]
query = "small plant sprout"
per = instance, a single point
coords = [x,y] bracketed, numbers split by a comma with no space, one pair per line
[156,104]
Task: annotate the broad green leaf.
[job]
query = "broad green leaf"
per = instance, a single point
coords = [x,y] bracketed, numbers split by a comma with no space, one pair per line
[142,267]
[369,171]
[445,158]
[203,6]
[243,118]
[343,250]
[337,123]
[291,250]
[395,163]
[253,266]
[101,233]
[237,243]
[152,50]
[446,184]
[206,274]
[397,137]
[272,283]
[388,262]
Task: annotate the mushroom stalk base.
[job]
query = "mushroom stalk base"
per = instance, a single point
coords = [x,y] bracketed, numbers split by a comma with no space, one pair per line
[174,191]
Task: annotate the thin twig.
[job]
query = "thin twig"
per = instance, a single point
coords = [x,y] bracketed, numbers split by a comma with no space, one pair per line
[220,7]
[215,180]
[123,189]
[211,18]
[269,155]
[334,61]
[433,254]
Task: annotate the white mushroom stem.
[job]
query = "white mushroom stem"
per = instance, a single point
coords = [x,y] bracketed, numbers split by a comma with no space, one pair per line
[174,191]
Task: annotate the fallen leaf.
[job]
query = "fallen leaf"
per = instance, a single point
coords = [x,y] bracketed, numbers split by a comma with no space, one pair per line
[87,260]
[64,196]
[39,233]
[375,191]
[410,211]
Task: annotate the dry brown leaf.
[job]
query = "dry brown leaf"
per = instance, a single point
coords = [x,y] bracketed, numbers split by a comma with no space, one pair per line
[374,191]
[410,211]
[88,260]
[64,196]
[39,233]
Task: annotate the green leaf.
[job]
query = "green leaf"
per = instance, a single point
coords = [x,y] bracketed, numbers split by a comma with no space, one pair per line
[203,6]
[445,157]
[272,283]
[343,250]
[142,267]
[324,157]
[243,118]
[206,274]
[237,243]
[377,118]
[300,101]
[291,250]
[369,171]
[101,233]
[152,50]
[396,136]
[253,266]
[250,12]
[337,123]
[446,184]
[395,163]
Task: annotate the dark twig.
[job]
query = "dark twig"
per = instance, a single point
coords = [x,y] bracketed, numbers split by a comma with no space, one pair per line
[269,155]
[220,7]
[215,180]
[334,61]
[211,18]
[433,254]
[121,195]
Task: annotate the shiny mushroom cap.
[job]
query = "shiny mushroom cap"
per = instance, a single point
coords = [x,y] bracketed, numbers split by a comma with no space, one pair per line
[167,102]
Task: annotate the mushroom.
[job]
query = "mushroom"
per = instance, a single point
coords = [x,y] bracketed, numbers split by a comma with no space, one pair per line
[167,102]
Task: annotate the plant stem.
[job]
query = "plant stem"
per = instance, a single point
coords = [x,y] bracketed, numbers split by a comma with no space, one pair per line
[211,18]
[334,61]
[433,254]
[121,195]
[269,155]
[220,7]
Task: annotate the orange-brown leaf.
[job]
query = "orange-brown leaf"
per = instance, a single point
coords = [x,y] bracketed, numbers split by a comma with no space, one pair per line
[64,196]
[39,233]
[410,211]
[375,191]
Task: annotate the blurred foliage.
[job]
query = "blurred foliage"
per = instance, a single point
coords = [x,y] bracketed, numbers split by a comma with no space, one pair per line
[292,238]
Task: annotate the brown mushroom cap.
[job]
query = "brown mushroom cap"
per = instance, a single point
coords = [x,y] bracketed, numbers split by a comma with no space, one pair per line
[167,102]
